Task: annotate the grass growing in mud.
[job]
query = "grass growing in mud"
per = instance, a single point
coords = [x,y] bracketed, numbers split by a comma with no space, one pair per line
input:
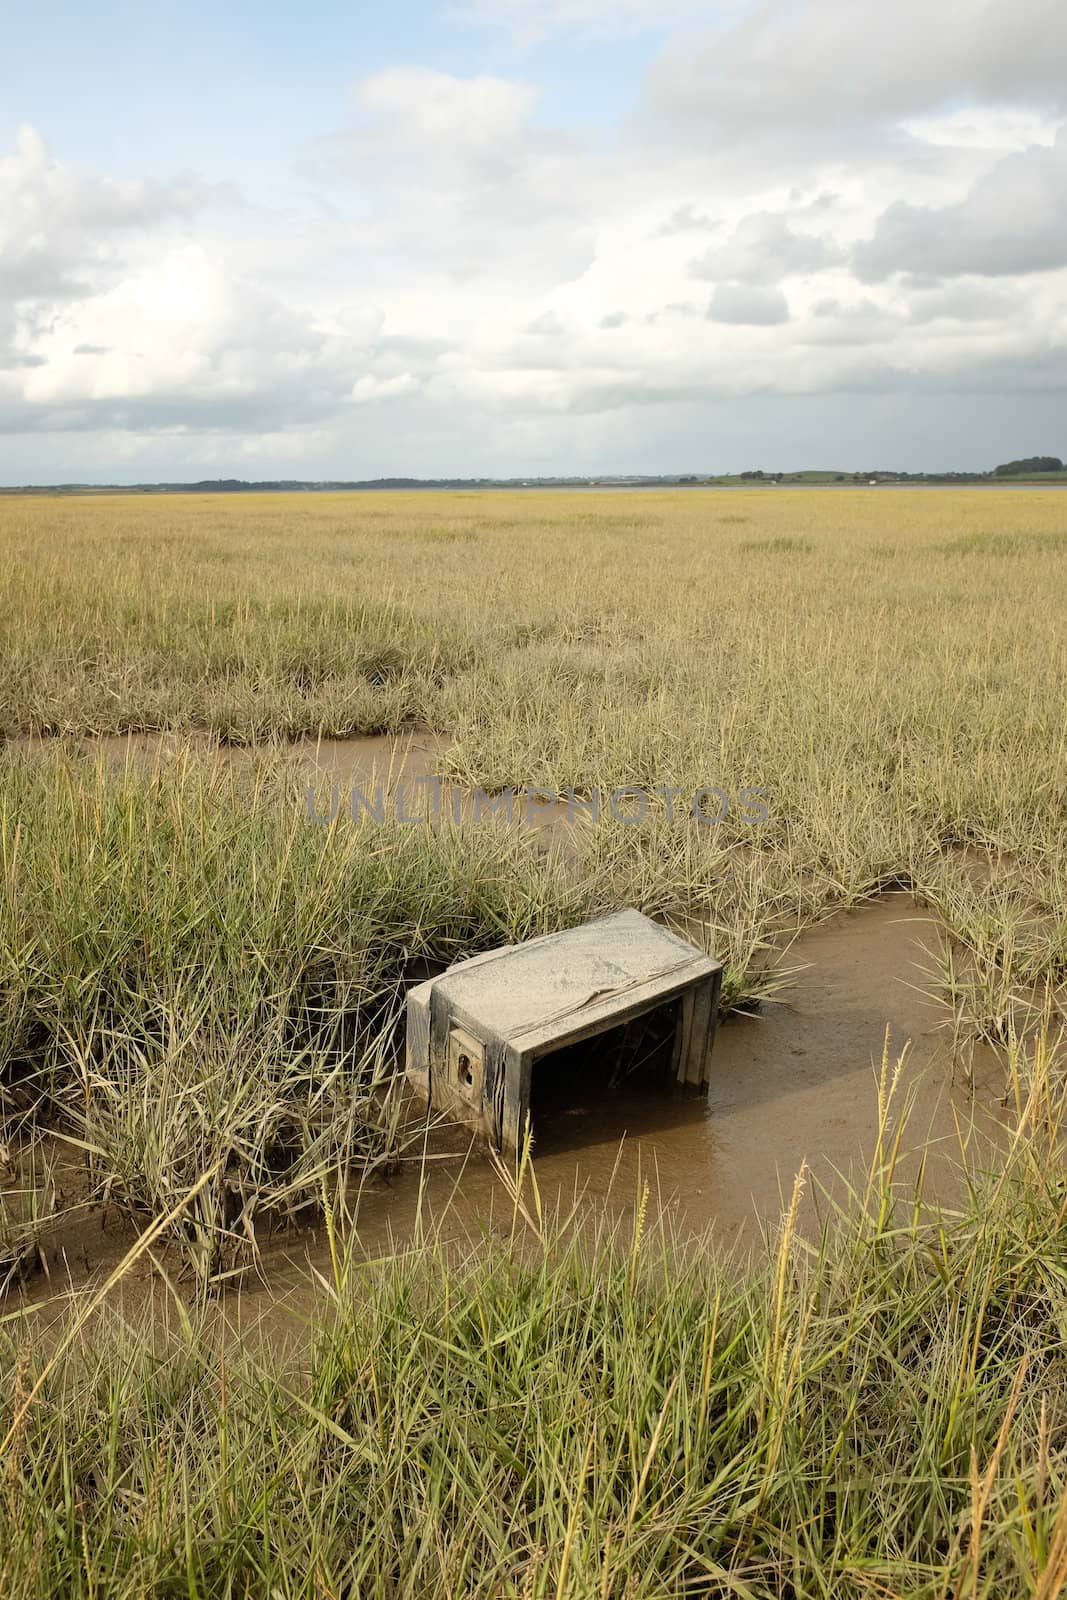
[880,1412]
[197,977]
[194,976]
[891,709]
[27,1208]
[199,988]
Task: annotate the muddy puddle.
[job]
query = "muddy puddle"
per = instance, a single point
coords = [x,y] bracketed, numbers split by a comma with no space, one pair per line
[365,761]
[797,1083]
[402,775]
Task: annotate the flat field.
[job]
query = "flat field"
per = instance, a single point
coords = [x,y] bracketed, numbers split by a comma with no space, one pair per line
[200,989]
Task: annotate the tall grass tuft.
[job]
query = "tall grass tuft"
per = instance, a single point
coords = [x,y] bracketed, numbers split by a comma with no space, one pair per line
[584,1411]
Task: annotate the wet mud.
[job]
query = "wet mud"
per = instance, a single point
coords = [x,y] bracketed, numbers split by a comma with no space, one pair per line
[796,1085]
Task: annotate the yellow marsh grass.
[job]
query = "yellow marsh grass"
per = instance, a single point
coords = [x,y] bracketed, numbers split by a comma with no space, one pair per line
[887,666]
[882,1413]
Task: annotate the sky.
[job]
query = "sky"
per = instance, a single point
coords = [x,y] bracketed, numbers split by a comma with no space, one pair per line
[530,237]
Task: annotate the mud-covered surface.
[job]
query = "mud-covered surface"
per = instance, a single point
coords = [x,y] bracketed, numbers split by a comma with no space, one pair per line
[797,1083]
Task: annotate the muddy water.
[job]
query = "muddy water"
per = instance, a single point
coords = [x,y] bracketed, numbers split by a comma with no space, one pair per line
[401,758]
[407,771]
[798,1083]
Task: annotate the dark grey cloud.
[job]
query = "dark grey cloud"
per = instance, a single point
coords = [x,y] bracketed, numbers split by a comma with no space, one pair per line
[12,360]
[591,394]
[859,322]
[263,408]
[1040,368]
[546,326]
[965,301]
[1012,222]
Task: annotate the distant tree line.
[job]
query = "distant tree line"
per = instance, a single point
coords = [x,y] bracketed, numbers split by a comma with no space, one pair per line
[1014,469]
[1026,467]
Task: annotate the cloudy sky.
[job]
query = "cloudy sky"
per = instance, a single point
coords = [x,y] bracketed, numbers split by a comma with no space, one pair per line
[332,239]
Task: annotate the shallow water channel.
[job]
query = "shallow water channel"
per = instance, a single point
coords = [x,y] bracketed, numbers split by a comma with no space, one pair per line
[796,1083]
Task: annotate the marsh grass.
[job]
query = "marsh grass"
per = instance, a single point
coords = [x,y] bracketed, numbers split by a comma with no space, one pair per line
[201,978]
[890,711]
[1001,543]
[572,1409]
[151,1115]
[233,989]
[1001,963]
[28,1207]
[785,544]
[199,990]
[198,976]
[191,971]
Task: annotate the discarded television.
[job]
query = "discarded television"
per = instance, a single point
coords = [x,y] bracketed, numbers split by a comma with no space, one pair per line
[478,1034]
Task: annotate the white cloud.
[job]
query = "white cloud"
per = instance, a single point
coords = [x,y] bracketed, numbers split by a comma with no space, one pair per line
[181,342]
[817,199]
[764,248]
[456,175]
[437,114]
[991,129]
[369,388]
[58,227]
